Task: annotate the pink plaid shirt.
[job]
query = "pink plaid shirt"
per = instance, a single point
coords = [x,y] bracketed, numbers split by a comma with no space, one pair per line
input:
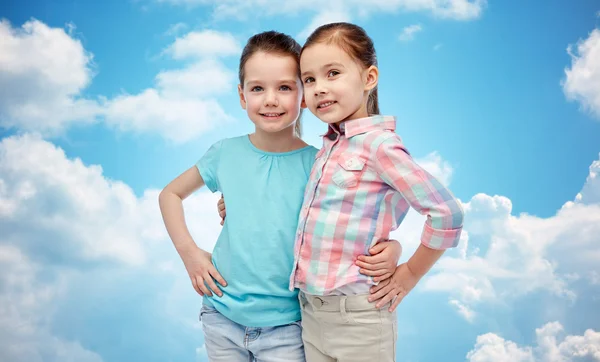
[361,186]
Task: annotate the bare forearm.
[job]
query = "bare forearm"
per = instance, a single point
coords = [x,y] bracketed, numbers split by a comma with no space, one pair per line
[171,207]
[423,259]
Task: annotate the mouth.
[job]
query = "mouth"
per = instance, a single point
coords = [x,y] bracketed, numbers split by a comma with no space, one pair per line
[325,105]
[272,115]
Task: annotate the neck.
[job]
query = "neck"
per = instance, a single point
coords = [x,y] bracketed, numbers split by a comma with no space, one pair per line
[282,141]
[360,113]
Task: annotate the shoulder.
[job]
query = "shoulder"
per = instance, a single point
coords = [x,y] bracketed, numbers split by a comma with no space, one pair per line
[376,140]
[233,141]
[312,151]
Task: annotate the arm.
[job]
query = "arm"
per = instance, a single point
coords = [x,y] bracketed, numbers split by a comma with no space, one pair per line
[422,192]
[428,196]
[197,261]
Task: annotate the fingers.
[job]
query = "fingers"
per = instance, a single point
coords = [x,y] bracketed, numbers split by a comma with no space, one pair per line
[217,276]
[222,222]
[378,248]
[203,286]
[372,259]
[373,273]
[369,266]
[211,283]
[221,207]
[387,298]
[397,301]
[196,288]
[376,288]
[381,293]
[383,277]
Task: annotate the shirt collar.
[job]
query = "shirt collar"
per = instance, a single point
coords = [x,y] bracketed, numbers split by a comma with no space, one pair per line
[361,125]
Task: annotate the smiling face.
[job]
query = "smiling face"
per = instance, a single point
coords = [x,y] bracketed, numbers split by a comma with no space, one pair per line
[271,93]
[336,87]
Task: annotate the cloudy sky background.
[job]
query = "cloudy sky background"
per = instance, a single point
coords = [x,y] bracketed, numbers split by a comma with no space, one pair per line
[103,103]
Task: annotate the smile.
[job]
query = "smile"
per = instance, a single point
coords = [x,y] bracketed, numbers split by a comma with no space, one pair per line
[325,104]
[272,115]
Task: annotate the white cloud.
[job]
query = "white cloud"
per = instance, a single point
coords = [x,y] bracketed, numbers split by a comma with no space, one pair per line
[408,33]
[67,228]
[438,167]
[26,305]
[179,120]
[43,71]
[590,194]
[493,348]
[449,9]
[176,29]
[183,104]
[49,198]
[582,80]
[502,257]
[55,208]
[522,254]
[466,312]
[207,43]
[202,79]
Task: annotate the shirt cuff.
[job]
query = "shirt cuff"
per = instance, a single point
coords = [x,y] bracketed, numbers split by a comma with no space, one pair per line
[440,239]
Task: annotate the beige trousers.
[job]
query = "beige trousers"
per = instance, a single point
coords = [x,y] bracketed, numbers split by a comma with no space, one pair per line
[347,329]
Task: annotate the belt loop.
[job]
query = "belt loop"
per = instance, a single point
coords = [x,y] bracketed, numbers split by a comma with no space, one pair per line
[303,300]
[343,311]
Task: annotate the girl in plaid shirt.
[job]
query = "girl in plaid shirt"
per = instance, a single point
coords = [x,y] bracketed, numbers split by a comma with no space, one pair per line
[361,186]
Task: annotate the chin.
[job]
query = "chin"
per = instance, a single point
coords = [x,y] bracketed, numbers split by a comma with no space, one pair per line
[328,118]
[274,128]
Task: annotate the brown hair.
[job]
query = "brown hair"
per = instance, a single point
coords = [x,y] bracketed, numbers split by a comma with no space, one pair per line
[353,40]
[272,42]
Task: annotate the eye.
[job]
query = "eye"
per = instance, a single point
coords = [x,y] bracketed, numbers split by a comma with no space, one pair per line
[285,88]
[333,73]
[256,89]
[309,80]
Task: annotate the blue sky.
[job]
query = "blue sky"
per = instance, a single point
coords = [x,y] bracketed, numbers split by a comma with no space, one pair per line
[103,103]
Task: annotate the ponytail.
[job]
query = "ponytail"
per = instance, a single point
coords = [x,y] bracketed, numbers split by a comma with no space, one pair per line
[373,103]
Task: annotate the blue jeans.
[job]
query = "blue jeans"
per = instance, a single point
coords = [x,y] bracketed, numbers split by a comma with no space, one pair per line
[227,341]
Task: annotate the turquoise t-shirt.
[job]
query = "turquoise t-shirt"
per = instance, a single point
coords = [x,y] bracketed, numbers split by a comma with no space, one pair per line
[255,251]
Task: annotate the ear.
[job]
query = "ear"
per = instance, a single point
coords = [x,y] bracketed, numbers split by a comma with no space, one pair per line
[371,78]
[303,103]
[241,94]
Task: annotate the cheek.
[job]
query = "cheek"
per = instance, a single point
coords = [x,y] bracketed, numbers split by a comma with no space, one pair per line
[253,102]
[292,100]
[310,100]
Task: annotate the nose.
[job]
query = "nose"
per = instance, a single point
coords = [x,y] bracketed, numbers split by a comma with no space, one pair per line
[271,99]
[319,88]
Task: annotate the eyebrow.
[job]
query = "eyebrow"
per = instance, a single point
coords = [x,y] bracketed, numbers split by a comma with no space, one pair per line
[328,65]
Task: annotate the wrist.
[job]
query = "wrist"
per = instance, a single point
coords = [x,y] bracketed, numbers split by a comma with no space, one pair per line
[187,249]
[414,269]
